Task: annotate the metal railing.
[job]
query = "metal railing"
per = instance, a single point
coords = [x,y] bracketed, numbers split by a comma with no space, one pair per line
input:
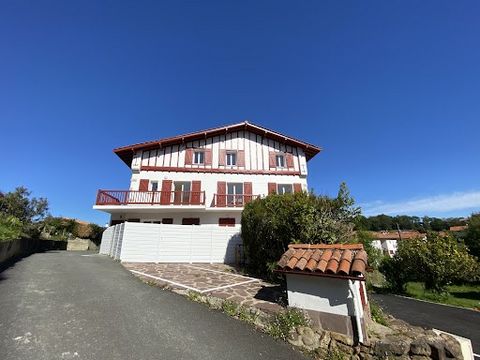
[226,200]
[127,197]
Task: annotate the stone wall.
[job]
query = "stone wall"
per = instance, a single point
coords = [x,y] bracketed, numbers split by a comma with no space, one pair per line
[399,341]
[81,245]
[17,248]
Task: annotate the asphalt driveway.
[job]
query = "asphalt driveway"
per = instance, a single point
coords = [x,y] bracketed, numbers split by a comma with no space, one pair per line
[454,320]
[67,305]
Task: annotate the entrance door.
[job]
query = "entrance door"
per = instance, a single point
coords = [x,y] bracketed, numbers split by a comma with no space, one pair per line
[235,194]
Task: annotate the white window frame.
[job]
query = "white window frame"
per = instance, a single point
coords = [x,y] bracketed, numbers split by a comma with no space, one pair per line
[197,156]
[229,156]
[284,187]
[154,185]
[235,197]
[280,164]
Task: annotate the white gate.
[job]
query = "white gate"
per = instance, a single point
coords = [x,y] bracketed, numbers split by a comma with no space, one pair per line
[139,242]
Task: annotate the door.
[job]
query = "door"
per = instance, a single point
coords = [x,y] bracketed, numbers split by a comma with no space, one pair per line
[235,194]
[181,192]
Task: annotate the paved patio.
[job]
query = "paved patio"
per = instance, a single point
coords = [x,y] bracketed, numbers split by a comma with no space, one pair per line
[218,280]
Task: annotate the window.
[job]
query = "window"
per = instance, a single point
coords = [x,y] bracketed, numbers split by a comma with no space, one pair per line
[181,192]
[231,158]
[191,221]
[154,185]
[167,221]
[280,161]
[284,189]
[226,221]
[235,194]
[199,157]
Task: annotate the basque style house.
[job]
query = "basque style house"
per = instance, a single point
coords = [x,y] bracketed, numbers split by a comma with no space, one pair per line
[206,177]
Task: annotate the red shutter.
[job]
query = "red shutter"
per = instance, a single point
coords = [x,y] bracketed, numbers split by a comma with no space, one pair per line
[208,157]
[143,185]
[272,188]
[221,193]
[289,158]
[272,159]
[226,221]
[297,188]
[247,191]
[195,198]
[221,157]
[241,158]
[166,193]
[188,156]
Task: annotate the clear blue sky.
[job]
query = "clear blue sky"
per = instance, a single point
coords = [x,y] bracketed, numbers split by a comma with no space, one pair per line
[390,90]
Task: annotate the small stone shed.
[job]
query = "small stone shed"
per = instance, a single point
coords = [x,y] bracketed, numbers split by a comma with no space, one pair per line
[327,281]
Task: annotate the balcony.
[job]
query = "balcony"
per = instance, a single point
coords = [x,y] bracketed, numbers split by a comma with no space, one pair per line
[131,197]
[235,201]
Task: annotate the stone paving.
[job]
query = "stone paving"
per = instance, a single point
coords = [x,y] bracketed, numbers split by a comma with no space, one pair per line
[218,280]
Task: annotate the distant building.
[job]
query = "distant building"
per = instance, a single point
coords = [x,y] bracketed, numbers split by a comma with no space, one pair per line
[458,228]
[387,241]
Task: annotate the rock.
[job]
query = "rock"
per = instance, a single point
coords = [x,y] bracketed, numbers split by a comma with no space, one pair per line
[452,347]
[364,356]
[420,347]
[354,357]
[338,346]
[437,349]
[324,340]
[294,338]
[389,347]
[419,357]
[341,338]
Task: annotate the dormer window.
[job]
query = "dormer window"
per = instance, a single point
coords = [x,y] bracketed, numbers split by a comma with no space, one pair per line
[199,157]
[280,161]
[231,159]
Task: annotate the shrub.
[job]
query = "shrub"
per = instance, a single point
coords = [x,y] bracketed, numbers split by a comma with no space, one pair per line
[283,322]
[437,261]
[271,223]
[10,228]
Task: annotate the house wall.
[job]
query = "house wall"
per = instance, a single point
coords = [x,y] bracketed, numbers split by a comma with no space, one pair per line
[206,217]
[388,247]
[256,148]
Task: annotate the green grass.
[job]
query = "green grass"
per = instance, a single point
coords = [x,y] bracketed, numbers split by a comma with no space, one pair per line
[459,295]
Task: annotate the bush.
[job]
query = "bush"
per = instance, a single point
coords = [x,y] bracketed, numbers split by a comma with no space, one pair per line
[375,256]
[271,223]
[283,322]
[437,261]
[10,228]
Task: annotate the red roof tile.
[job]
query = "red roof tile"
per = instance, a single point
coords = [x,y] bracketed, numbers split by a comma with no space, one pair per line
[320,259]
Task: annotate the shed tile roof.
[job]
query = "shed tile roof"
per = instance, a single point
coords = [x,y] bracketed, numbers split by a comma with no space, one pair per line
[320,259]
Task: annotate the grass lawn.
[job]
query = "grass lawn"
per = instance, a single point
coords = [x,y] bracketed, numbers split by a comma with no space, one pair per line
[459,295]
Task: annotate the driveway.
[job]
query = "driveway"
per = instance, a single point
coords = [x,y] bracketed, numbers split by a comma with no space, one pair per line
[454,320]
[67,305]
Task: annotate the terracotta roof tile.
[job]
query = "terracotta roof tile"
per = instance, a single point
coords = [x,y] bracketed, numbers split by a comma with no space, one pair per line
[336,259]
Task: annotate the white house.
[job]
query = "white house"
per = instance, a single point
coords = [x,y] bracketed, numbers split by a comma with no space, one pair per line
[206,177]
[387,241]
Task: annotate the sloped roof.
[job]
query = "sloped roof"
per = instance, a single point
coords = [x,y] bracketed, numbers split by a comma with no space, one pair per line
[126,152]
[348,260]
[393,235]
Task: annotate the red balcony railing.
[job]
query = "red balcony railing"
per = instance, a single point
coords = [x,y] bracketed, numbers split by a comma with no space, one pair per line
[225,200]
[128,197]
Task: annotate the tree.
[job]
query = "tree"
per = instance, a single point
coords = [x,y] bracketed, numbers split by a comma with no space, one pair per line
[472,235]
[271,223]
[375,255]
[20,205]
[437,261]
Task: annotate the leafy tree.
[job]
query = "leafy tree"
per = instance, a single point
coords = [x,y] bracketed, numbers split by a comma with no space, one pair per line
[437,261]
[19,204]
[271,223]
[375,256]
[10,227]
[472,235]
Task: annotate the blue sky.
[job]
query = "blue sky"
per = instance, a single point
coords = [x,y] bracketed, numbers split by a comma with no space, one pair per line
[390,90]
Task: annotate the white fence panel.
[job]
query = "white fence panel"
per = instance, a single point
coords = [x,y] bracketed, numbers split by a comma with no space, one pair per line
[138,242]
[106,241]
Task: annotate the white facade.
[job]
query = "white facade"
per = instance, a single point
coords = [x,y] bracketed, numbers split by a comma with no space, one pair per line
[388,247]
[206,180]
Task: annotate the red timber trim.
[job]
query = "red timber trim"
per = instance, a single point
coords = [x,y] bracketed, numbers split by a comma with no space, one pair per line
[297,187]
[188,156]
[218,171]
[143,185]
[196,188]
[272,160]
[289,160]
[208,157]
[241,158]
[272,188]
[247,191]
[226,221]
[221,191]
[166,192]
[222,154]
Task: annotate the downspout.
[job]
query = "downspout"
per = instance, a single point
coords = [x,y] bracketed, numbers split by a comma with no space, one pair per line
[356,311]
